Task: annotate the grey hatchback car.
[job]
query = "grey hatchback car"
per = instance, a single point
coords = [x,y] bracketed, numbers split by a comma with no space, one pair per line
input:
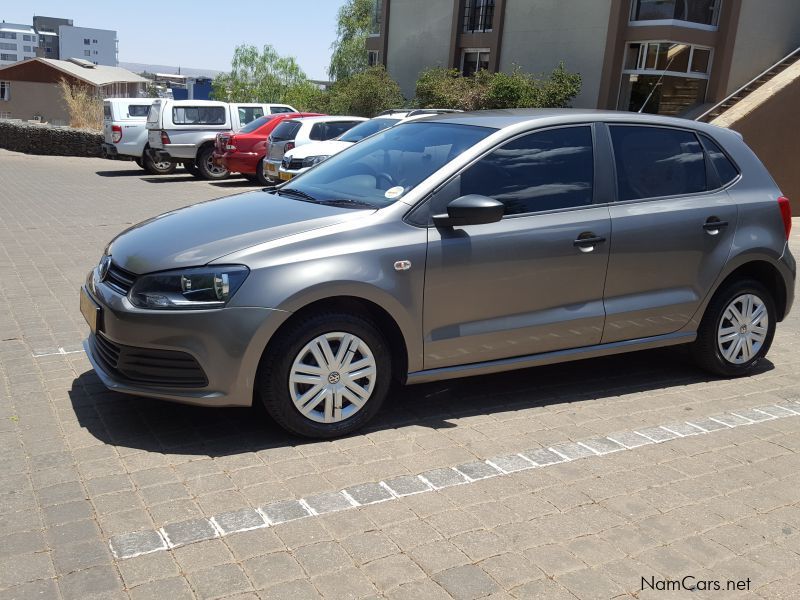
[455,245]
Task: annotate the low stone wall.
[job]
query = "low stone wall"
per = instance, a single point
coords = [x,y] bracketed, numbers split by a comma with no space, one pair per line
[47,139]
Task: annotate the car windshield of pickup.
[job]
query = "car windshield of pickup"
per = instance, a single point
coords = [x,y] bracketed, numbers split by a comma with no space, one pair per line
[383,168]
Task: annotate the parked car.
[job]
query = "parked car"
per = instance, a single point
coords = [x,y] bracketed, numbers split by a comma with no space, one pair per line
[243,151]
[185,130]
[304,157]
[449,246]
[125,133]
[297,132]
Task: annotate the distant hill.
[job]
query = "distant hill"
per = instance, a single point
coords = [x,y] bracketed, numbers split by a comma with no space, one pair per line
[140,67]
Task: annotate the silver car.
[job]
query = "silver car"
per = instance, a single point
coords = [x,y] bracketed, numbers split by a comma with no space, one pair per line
[455,245]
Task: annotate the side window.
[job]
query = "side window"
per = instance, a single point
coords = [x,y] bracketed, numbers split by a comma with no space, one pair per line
[725,169]
[542,171]
[138,110]
[657,161]
[280,109]
[317,132]
[336,129]
[107,111]
[198,115]
[248,114]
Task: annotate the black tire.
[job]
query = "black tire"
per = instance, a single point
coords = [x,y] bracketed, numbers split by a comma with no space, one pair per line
[251,178]
[260,177]
[276,364]
[155,168]
[192,169]
[139,162]
[203,162]
[706,351]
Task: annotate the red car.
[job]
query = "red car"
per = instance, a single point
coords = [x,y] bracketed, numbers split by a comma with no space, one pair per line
[243,151]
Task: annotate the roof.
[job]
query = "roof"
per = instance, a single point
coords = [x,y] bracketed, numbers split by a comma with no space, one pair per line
[326,119]
[97,75]
[500,119]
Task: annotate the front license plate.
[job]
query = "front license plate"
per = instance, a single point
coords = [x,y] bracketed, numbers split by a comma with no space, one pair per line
[90,310]
[285,176]
[271,169]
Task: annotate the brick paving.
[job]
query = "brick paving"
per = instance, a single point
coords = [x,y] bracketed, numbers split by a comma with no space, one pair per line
[80,465]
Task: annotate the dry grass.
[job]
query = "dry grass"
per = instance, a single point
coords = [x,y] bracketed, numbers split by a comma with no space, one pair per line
[85,108]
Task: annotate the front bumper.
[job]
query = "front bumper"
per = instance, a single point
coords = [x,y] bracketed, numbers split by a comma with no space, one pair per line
[226,344]
[286,174]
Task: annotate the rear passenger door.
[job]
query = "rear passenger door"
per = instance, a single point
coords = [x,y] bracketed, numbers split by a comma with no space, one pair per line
[673,225]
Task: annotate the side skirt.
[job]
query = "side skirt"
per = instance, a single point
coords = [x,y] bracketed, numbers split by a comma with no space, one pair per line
[549,358]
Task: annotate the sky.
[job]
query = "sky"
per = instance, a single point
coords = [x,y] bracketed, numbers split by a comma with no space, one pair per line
[200,33]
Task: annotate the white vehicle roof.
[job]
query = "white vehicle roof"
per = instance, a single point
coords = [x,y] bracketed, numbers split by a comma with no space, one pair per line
[326,148]
[326,119]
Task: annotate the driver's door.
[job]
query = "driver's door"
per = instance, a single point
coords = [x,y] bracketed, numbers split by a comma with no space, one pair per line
[526,284]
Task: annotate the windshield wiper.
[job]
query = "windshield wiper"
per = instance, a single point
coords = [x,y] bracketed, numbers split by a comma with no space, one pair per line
[296,193]
[346,202]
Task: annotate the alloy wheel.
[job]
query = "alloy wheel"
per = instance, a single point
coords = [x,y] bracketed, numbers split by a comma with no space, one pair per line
[742,329]
[332,377]
[213,168]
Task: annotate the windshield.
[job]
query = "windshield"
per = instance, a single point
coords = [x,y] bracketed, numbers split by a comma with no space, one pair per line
[366,129]
[253,125]
[381,169]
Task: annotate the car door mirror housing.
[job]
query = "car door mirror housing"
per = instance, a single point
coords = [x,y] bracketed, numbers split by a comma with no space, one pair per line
[472,209]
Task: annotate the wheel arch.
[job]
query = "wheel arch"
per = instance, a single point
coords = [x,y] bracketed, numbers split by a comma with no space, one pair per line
[767,275]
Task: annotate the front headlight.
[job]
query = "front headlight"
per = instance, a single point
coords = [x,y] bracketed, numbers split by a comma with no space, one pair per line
[203,287]
[313,160]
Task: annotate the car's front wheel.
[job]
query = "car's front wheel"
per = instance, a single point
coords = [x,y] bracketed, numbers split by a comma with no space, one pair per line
[326,376]
[164,167]
[737,329]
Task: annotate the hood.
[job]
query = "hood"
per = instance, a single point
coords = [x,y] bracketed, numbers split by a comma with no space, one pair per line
[327,148]
[198,234]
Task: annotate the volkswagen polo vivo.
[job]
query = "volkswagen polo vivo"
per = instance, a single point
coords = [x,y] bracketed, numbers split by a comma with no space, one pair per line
[455,245]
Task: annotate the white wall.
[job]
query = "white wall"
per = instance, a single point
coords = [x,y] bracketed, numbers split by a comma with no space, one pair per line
[103,51]
[419,38]
[768,30]
[18,41]
[538,34]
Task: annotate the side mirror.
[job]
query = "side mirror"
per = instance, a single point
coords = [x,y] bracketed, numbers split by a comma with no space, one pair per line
[470,210]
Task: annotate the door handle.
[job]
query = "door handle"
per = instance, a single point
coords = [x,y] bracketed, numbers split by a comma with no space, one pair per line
[587,241]
[714,225]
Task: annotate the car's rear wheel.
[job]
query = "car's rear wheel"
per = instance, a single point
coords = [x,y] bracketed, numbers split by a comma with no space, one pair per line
[157,168]
[260,177]
[737,329]
[326,376]
[205,163]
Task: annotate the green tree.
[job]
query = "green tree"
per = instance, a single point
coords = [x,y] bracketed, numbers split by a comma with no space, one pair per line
[447,88]
[349,54]
[308,97]
[365,94]
[255,76]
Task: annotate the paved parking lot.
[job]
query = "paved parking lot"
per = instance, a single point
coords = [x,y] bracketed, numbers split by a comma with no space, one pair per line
[598,479]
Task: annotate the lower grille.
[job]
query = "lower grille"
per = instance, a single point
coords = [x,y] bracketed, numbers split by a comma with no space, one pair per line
[167,368]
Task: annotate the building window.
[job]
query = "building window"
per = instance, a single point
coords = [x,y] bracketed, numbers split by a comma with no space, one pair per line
[373,58]
[5,90]
[5,115]
[664,77]
[27,49]
[85,41]
[9,57]
[377,17]
[94,41]
[7,46]
[474,60]
[87,52]
[478,15]
[7,35]
[701,12]
[26,38]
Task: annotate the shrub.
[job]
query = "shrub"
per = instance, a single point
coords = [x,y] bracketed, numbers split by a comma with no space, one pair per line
[365,94]
[84,106]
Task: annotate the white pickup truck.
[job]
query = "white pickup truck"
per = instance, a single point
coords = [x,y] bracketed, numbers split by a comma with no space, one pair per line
[185,130]
[125,133]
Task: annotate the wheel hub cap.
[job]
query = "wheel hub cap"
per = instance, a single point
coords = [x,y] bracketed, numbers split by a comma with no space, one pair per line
[743,329]
[332,377]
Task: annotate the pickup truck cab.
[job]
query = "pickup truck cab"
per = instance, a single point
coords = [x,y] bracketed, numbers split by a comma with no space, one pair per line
[185,130]
[125,133]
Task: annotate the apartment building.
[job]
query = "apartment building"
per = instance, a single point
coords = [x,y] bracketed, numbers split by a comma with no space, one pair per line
[660,56]
[95,45]
[17,42]
[47,29]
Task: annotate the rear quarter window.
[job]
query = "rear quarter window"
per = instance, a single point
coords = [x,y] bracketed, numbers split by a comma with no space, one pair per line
[285,131]
[198,115]
[723,165]
[657,161]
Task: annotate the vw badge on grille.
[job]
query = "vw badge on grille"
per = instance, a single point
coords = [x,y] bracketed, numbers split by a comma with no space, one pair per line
[102,267]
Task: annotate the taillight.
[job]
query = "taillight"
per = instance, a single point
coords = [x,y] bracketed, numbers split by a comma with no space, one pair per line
[786,214]
[116,133]
[164,137]
[288,146]
[229,145]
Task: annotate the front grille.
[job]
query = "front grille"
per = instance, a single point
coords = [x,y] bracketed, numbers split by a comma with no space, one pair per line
[293,165]
[119,279]
[166,368]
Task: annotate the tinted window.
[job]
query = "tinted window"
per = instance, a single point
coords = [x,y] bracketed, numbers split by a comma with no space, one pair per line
[367,128]
[280,109]
[198,115]
[657,161]
[249,113]
[107,111]
[138,110]
[285,131]
[334,130]
[253,125]
[382,169]
[541,171]
[317,132]
[725,169]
